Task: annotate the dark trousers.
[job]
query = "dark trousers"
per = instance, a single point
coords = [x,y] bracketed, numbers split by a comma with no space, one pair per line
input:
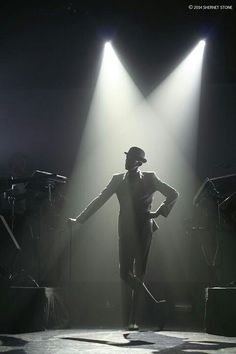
[134,245]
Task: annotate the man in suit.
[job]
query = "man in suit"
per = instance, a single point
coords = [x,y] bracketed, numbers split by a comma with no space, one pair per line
[134,190]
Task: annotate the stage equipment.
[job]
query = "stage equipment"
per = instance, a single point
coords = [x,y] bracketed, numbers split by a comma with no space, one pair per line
[220,311]
[39,176]
[9,232]
[43,205]
[217,188]
[28,206]
[216,203]
[28,309]
[215,213]
[8,243]
[228,207]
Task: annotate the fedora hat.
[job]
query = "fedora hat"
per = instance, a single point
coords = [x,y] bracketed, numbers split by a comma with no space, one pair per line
[137,153]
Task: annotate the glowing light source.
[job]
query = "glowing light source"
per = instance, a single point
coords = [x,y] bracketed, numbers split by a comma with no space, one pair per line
[107,45]
[202,43]
[181,89]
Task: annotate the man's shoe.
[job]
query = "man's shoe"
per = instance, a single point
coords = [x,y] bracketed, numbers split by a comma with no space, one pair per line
[133,327]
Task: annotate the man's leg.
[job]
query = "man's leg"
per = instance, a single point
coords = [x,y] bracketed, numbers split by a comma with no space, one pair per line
[134,245]
[140,263]
[126,259]
[135,298]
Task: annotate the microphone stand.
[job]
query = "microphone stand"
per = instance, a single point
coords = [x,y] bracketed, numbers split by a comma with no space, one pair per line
[70,226]
[216,195]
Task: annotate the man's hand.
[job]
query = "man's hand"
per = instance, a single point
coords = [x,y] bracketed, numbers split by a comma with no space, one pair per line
[72,221]
[155,214]
[73,225]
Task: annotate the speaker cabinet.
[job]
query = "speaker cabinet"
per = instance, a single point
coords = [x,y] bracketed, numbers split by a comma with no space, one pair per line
[220,311]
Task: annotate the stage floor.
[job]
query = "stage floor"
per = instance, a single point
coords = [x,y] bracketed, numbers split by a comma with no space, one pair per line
[115,341]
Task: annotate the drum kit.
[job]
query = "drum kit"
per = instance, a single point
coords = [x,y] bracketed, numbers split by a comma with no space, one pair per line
[20,196]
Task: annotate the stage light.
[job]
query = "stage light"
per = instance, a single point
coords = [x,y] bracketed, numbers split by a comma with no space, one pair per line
[176,102]
[110,130]
[172,143]
[181,89]
[107,45]
[202,43]
[164,125]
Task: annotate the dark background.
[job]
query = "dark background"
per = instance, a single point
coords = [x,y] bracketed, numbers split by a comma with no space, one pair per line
[50,55]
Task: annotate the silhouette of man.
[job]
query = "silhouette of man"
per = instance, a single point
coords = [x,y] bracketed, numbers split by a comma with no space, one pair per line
[134,190]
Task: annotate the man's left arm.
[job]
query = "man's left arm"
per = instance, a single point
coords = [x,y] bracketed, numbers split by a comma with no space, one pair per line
[171,197]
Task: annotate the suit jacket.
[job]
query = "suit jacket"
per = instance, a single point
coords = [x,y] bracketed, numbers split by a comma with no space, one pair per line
[135,196]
